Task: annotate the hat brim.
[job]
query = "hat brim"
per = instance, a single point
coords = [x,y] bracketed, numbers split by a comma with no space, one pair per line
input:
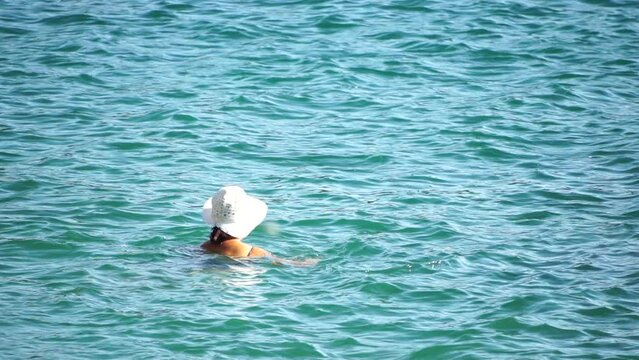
[251,213]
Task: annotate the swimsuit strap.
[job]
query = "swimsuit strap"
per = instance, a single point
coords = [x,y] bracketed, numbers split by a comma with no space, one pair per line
[250,251]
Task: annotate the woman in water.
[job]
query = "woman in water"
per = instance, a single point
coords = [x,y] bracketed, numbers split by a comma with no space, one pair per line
[233,215]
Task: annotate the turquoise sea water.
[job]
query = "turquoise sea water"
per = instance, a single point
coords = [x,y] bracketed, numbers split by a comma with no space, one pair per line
[467,173]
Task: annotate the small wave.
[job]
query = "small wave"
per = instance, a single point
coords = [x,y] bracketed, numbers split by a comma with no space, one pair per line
[391,35]
[87,80]
[18,74]
[408,6]
[179,7]
[384,73]
[432,48]
[180,134]
[73,19]
[334,22]
[178,94]
[382,289]
[13,30]
[130,145]
[160,15]
[534,215]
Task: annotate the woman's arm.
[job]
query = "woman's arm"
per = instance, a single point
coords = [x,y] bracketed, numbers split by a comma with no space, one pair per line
[258,252]
[301,263]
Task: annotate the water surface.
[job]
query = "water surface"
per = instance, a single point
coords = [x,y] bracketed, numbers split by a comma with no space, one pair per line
[466,173]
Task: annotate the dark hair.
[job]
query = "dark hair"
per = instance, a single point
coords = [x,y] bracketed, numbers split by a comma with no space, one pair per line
[218,236]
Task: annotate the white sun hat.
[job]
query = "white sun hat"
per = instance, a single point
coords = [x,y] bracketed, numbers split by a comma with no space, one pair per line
[233,211]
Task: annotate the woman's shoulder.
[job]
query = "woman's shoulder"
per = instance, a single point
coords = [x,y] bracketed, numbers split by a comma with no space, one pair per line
[207,246]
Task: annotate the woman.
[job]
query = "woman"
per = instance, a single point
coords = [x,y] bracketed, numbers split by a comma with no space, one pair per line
[233,215]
